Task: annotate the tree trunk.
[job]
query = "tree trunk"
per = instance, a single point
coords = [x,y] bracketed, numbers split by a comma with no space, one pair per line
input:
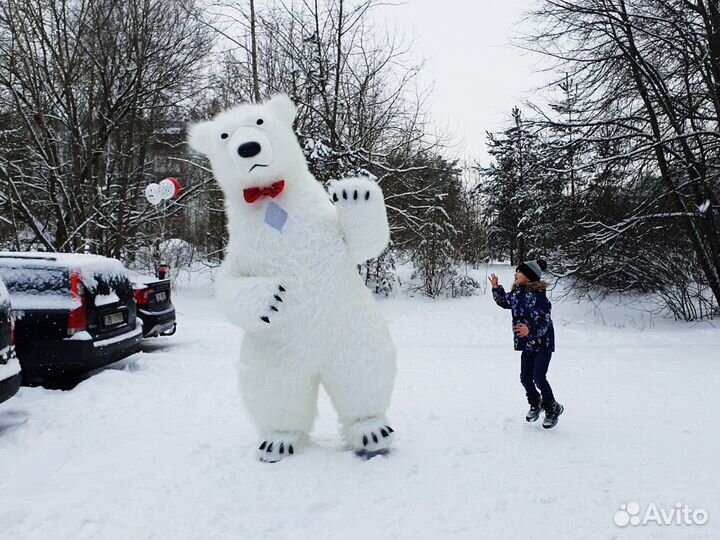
[253,53]
[711,268]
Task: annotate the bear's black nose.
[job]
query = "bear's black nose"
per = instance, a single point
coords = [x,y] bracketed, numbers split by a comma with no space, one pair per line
[249,149]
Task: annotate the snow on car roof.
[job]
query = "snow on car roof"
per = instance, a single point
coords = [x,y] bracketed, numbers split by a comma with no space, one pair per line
[88,265]
[4,295]
[140,280]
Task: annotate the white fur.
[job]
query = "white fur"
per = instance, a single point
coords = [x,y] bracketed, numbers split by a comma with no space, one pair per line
[363,218]
[327,328]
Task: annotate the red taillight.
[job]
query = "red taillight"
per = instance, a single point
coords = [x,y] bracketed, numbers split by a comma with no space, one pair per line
[142,296]
[77,320]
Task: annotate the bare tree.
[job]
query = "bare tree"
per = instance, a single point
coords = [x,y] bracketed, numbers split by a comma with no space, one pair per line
[88,87]
[647,91]
[359,107]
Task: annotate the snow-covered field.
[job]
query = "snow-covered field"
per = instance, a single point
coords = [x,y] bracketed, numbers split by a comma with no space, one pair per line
[160,446]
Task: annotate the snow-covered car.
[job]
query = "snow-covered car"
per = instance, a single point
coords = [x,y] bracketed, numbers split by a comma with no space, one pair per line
[154,305]
[73,313]
[10,375]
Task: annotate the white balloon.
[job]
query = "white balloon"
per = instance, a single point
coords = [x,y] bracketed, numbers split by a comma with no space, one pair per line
[166,189]
[152,194]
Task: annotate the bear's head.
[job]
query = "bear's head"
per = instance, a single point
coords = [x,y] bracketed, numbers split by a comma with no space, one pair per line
[251,145]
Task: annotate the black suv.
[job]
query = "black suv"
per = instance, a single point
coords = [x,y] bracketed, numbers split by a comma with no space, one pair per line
[73,313]
[9,366]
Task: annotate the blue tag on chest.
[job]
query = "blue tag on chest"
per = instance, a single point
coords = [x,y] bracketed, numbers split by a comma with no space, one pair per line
[275,216]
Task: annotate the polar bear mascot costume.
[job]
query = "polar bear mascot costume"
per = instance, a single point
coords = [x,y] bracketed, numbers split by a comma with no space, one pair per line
[290,280]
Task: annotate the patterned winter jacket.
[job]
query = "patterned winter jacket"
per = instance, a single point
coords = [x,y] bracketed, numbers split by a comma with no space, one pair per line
[531,307]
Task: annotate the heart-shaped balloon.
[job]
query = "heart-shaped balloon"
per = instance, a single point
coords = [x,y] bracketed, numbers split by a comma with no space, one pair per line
[152,194]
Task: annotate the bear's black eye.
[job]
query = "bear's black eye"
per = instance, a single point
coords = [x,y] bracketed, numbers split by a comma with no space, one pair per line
[260,122]
[223,135]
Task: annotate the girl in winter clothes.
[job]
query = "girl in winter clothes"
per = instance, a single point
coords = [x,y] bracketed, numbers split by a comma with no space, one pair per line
[534,336]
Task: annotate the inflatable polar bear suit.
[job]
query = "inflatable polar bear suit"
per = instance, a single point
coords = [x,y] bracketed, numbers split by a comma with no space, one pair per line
[290,280]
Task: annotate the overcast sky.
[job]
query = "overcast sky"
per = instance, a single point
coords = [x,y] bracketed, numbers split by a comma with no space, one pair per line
[478,75]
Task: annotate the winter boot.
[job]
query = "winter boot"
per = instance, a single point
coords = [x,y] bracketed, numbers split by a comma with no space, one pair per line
[552,412]
[534,413]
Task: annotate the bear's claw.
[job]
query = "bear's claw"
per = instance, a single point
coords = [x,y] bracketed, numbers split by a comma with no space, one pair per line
[370,437]
[362,218]
[253,303]
[337,194]
[273,307]
[277,448]
[371,450]
[355,196]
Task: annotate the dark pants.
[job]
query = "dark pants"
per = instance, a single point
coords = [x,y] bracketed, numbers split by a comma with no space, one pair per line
[533,371]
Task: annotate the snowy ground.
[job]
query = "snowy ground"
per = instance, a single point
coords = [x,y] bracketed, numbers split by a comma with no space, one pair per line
[161,448]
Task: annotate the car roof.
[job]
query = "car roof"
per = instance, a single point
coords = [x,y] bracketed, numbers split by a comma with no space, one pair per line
[142,280]
[88,265]
[39,258]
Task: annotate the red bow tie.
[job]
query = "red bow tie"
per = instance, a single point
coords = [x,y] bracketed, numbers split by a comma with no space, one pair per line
[254,193]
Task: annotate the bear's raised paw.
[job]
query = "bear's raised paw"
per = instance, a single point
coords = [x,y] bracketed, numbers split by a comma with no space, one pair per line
[361,212]
[355,191]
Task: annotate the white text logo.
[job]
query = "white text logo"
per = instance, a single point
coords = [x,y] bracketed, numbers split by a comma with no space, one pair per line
[680,514]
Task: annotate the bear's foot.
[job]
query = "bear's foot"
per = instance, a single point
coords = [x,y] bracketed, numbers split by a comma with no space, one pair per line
[370,437]
[278,445]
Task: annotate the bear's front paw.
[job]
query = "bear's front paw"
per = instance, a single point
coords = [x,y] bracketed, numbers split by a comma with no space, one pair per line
[258,305]
[370,437]
[277,446]
[362,216]
[273,304]
[355,191]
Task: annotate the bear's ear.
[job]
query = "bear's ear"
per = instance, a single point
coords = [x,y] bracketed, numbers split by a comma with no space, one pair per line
[201,137]
[283,107]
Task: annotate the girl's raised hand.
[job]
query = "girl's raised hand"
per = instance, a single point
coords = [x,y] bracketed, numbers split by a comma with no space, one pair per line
[494,281]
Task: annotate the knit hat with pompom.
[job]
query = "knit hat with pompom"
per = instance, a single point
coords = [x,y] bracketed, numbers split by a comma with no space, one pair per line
[533,269]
